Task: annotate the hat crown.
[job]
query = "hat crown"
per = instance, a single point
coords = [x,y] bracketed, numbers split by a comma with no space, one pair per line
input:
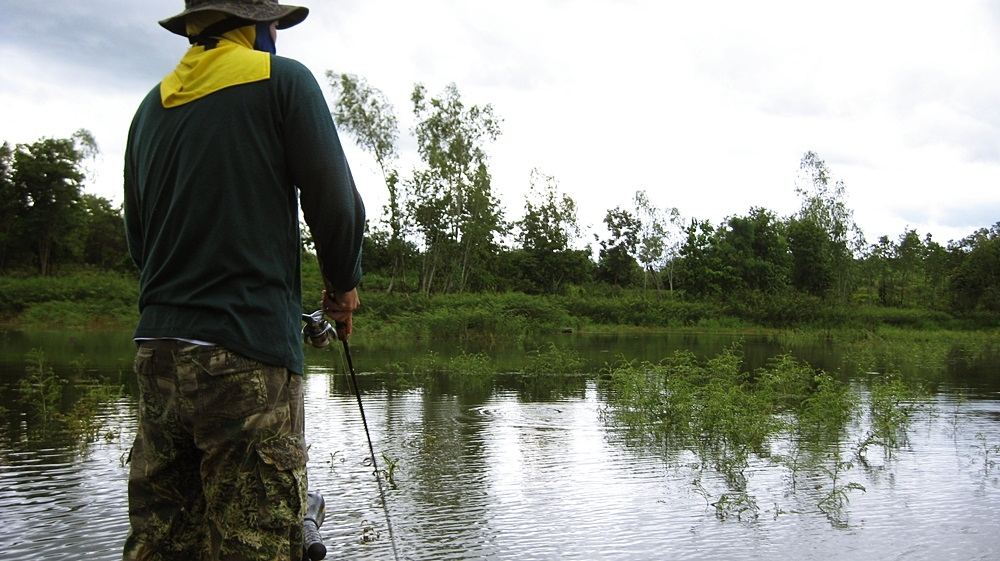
[252,10]
[193,4]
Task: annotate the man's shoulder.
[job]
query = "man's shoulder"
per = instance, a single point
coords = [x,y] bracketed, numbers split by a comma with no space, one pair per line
[149,105]
[283,67]
[152,97]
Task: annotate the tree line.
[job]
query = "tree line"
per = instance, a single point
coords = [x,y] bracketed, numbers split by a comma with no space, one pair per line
[47,220]
[443,229]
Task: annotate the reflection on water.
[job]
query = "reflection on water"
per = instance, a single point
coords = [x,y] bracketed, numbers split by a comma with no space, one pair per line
[513,467]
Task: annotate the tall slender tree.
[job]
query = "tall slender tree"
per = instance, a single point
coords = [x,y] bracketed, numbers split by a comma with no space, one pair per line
[824,203]
[452,201]
[365,113]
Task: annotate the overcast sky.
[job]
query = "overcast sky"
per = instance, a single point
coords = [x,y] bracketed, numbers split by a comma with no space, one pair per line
[708,106]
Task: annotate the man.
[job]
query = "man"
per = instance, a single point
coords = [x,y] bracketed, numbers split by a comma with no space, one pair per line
[218,154]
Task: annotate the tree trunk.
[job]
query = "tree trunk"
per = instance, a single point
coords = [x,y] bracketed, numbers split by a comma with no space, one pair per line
[44,252]
[465,266]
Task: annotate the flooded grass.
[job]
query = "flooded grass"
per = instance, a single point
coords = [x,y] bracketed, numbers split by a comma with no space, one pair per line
[64,408]
[729,418]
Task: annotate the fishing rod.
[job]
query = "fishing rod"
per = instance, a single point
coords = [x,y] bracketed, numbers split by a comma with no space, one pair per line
[319,332]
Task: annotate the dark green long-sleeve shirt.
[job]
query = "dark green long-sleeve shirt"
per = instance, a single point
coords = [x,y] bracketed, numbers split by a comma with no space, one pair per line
[211,212]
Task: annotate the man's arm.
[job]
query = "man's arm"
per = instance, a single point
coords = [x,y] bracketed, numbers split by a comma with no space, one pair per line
[332,207]
[133,227]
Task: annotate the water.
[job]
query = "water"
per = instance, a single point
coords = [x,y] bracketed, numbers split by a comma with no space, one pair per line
[501,467]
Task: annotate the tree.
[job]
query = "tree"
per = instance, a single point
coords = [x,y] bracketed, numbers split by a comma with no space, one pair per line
[823,202]
[936,270]
[365,113]
[881,256]
[48,177]
[104,243]
[616,263]
[908,262]
[549,221]
[701,271]
[975,284]
[812,256]
[673,236]
[12,204]
[451,198]
[754,252]
[545,231]
[652,237]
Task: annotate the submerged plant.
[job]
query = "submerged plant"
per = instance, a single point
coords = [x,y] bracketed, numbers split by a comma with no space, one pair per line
[955,420]
[728,417]
[389,471]
[476,364]
[892,404]
[987,452]
[432,363]
[553,360]
[838,496]
[42,391]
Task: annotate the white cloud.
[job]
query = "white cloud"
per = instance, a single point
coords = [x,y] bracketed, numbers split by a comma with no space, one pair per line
[708,106]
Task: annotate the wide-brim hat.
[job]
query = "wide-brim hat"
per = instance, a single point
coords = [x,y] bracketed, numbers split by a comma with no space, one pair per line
[252,10]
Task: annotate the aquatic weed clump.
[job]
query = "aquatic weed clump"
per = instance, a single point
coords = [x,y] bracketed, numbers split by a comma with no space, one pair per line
[892,404]
[717,404]
[57,406]
[728,417]
[553,360]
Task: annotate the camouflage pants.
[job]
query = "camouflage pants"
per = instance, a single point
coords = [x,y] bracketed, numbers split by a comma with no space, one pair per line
[218,465]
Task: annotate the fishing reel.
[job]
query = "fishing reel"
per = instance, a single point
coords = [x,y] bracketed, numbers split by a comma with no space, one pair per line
[317,330]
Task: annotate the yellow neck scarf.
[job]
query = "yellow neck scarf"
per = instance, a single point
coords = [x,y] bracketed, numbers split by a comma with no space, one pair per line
[204,71]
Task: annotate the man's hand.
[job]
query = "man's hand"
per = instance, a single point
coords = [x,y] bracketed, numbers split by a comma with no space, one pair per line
[340,306]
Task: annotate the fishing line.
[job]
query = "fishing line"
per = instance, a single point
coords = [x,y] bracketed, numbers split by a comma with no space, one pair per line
[371,449]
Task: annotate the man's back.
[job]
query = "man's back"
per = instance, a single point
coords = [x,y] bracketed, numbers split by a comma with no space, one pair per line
[212,190]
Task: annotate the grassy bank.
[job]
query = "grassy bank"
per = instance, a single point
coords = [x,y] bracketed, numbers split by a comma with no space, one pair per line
[106,300]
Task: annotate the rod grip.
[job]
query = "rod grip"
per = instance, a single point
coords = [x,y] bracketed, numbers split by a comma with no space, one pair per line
[312,542]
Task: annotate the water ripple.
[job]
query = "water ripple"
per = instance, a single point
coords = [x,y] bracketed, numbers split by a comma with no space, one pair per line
[497,476]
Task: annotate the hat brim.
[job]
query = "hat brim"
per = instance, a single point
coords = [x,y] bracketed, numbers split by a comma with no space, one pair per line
[285,15]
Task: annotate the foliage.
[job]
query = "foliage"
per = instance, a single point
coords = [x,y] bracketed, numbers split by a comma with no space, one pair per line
[546,230]
[41,389]
[616,264]
[53,409]
[541,272]
[46,219]
[364,112]
[892,403]
[976,280]
[838,496]
[729,418]
[809,269]
[104,245]
[824,204]
[47,181]
[553,360]
[11,207]
[812,254]
[476,364]
[754,252]
[452,202]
